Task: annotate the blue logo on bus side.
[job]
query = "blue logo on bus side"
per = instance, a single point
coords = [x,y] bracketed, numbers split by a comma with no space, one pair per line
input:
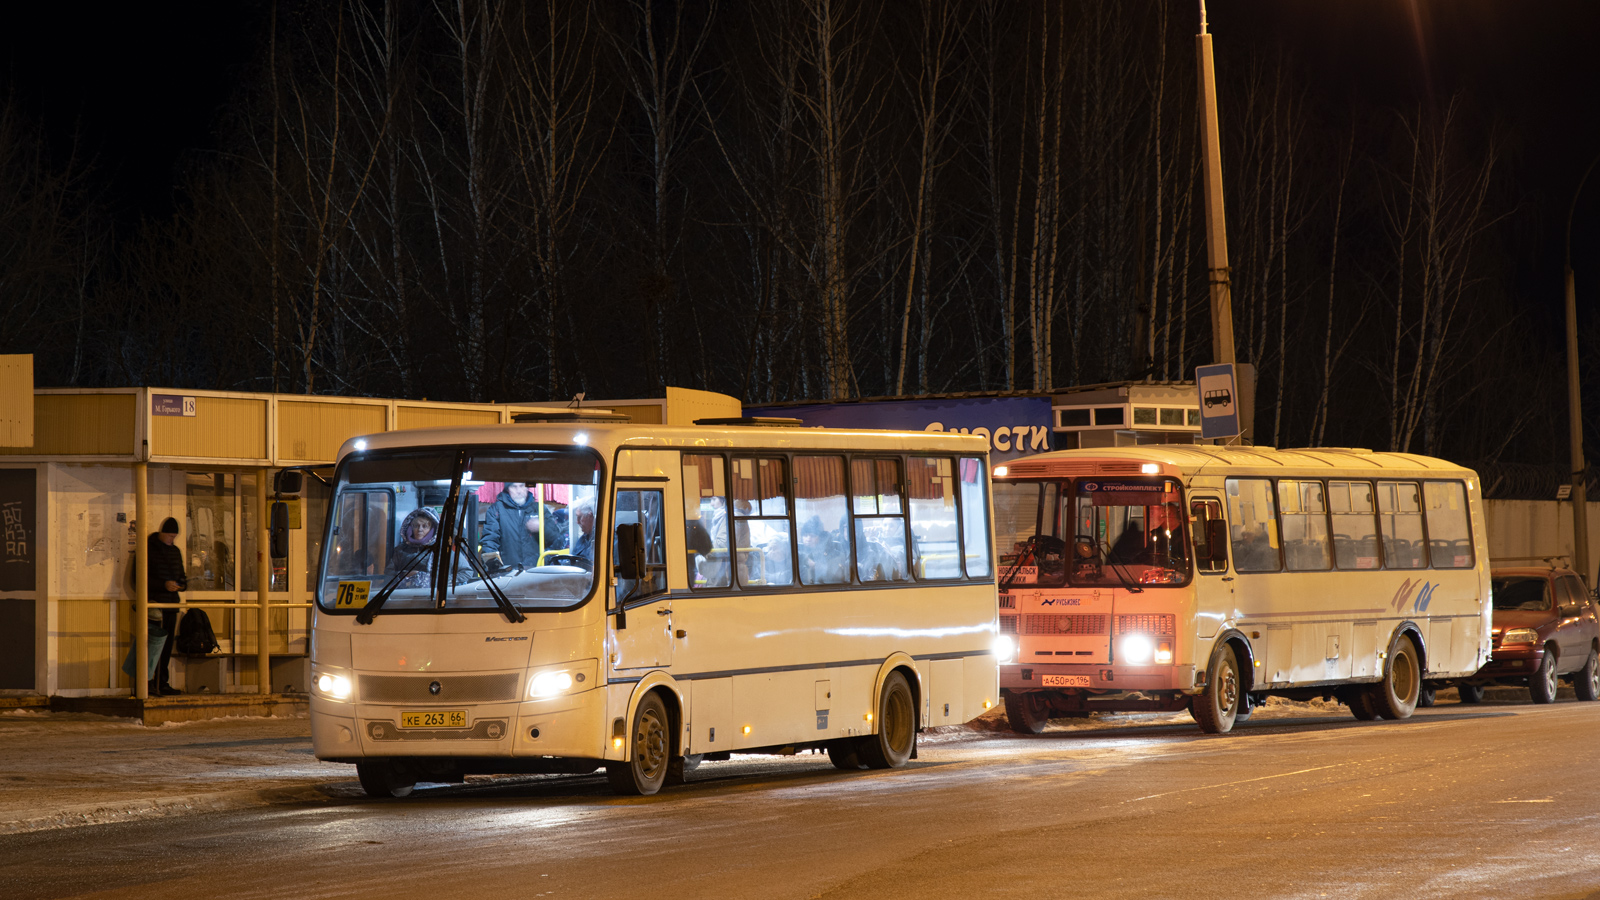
[1423,589]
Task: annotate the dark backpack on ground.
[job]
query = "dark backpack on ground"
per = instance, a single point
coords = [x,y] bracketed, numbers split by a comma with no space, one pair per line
[195,637]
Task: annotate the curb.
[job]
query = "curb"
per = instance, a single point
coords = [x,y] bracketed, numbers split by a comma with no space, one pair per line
[142,809]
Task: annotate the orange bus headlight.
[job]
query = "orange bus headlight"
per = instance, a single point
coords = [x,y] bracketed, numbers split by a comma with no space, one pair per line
[1164,652]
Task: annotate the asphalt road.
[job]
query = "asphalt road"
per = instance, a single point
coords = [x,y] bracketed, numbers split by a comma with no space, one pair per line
[1494,800]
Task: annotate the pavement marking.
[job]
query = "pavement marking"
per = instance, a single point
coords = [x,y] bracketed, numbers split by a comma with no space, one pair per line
[1545,800]
[1208,787]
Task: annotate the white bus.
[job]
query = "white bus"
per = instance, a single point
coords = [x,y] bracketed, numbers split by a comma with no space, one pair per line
[756,588]
[1325,573]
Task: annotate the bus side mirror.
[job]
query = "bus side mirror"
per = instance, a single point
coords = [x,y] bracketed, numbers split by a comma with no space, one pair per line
[630,551]
[278,531]
[288,482]
[1217,539]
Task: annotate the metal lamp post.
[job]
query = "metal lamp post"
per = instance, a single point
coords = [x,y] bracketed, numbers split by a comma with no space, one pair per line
[1580,476]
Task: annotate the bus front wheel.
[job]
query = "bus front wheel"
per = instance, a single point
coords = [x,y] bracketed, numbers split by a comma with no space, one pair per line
[1028,713]
[650,753]
[1216,707]
[384,779]
[897,726]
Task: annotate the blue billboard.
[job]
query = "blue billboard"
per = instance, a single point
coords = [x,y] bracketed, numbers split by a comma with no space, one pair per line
[1014,426]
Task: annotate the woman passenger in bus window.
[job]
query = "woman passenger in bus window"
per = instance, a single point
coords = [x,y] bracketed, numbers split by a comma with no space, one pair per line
[417,535]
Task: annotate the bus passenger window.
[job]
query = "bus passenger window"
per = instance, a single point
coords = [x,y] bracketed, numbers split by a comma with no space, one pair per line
[763,551]
[1305,526]
[705,521]
[1253,525]
[880,523]
[1400,521]
[1449,536]
[1355,524]
[819,508]
[936,547]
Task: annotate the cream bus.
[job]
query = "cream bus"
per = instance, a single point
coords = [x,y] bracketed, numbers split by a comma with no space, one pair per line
[577,592]
[1325,573]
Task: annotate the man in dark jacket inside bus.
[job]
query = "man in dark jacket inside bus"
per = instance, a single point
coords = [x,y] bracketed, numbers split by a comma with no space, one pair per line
[512,529]
[167,578]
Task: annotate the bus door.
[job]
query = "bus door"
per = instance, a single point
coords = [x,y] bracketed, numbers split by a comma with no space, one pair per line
[640,608]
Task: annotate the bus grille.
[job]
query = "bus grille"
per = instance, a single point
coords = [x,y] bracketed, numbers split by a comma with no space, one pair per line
[1145,623]
[1008,624]
[1068,624]
[452,688]
[1007,601]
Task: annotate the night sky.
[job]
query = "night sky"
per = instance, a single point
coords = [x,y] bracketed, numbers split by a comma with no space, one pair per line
[144,85]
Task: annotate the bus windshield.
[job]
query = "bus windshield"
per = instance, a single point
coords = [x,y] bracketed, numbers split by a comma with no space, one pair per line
[1128,531]
[1028,533]
[451,529]
[1125,532]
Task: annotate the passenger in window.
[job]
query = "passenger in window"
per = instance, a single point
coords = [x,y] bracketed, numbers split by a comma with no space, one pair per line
[514,534]
[582,515]
[1156,545]
[1254,552]
[823,560]
[418,533]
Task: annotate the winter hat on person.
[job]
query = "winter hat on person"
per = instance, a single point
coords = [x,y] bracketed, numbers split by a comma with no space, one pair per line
[169,525]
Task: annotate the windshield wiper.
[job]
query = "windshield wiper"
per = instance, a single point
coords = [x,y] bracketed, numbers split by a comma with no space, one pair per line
[500,599]
[1122,573]
[376,603]
[1022,554]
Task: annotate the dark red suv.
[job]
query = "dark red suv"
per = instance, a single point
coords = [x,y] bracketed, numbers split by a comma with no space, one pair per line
[1545,630]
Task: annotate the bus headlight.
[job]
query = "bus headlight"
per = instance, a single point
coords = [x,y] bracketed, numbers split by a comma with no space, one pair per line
[1005,649]
[336,687]
[549,684]
[1137,649]
[1164,652]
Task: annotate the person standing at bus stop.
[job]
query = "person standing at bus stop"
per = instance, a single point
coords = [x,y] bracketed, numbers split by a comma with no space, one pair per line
[167,578]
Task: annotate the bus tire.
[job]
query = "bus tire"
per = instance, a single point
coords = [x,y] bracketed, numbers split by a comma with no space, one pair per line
[897,726]
[1427,696]
[1027,713]
[650,753]
[1217,707]
[1542,685]
[1362,706]
[384,779]
[1395,696]
[1470,693]
[1586,682]
[843,754]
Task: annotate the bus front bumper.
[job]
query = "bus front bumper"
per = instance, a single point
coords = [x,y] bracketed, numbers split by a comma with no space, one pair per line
[1096,677]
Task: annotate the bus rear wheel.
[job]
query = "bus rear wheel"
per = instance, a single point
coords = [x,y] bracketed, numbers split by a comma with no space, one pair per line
[649,753]
[1216,707]
[385,779]
[1470,693]
[1028,713]
[844,754]
[897,727]
[1395,697]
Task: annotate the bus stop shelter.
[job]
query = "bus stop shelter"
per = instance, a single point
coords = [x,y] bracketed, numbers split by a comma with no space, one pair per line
[106,466]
